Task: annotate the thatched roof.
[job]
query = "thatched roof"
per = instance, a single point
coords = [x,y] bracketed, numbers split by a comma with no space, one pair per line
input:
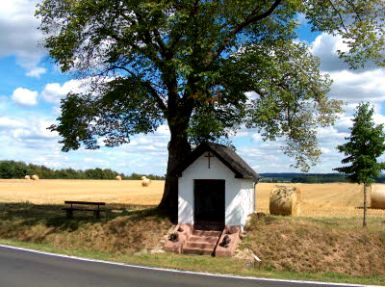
[226,155]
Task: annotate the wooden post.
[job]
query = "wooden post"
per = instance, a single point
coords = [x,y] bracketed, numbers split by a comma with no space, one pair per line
[366,186]
[69,213]
[97,213]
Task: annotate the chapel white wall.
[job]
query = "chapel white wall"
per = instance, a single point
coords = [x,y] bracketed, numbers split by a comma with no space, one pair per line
[238,192]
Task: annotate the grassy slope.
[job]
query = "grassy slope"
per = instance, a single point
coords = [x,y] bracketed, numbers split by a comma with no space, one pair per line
[338,245]
[290,248]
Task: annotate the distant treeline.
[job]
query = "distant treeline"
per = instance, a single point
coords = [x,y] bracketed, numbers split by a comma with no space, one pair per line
[309,177]
[18,169]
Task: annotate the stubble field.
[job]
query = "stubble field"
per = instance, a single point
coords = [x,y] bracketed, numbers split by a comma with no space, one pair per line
[318,200]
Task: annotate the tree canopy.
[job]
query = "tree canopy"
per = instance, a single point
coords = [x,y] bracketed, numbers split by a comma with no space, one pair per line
[204,68]
[363,147]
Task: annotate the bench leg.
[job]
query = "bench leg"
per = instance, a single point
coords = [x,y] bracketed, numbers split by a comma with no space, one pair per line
[97,214]
[69,213]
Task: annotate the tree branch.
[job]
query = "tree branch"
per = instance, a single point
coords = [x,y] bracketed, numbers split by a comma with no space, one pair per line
[147,39]
[174,40]
[355,10]
[251,19]
[148,86]
[159,41]
[338,13]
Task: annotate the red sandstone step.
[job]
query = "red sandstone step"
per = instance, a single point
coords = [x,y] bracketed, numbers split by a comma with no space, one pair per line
[207,233]
[198,250]
[209,239]
[200,244]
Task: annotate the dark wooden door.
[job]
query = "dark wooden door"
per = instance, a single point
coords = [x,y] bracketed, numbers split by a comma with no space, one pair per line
[209,203]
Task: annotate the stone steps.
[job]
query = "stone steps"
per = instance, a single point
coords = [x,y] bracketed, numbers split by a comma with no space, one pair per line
[197,250]
[201,242]
[207,233]
[208,239]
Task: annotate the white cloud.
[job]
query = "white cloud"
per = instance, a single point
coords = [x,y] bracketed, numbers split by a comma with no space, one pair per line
[301,18]
[54,92]
[9,123]
[325,46]
[357,87]
[19,34]
[27,139]
[24,97]
[36,72]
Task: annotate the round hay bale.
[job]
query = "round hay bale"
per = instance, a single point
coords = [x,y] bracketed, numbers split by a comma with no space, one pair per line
[118,177]
[145,181]
[27,177]
[35,177]
[377,196]
[285,200]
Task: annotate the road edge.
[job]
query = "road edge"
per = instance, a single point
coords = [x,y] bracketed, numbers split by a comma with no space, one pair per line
[121,264]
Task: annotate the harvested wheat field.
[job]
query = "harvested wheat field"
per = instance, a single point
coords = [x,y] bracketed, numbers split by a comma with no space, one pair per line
[56,191]
[325,200]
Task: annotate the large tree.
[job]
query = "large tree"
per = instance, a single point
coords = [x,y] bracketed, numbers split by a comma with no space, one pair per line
[363,148]
[205,68]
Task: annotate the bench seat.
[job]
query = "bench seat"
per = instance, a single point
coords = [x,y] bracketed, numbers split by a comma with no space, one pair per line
[80,209]
[88,206]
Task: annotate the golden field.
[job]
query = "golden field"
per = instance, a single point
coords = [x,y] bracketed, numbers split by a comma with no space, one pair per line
[323,199]
[56,191]
[326,200]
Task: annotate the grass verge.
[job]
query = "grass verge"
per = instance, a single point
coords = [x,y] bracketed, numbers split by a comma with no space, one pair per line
[291,248]
[204,264]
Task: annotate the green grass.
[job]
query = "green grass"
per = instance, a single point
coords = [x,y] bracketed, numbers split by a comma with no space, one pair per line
[204,264]
[128,234]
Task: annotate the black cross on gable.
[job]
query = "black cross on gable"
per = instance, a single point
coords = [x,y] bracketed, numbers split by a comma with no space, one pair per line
[209,156]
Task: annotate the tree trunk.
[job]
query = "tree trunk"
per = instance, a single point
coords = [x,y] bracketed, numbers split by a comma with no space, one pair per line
[366,188]
[178,149]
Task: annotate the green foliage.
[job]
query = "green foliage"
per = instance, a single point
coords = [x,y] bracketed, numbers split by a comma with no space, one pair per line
[190,63]
[12,169]
[365,145]
[360,23]
[16,169]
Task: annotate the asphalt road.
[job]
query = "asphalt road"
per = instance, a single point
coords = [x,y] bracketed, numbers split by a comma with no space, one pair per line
[22,268]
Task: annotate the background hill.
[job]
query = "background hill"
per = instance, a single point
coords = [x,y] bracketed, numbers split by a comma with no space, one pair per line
[16,169]
[309,177]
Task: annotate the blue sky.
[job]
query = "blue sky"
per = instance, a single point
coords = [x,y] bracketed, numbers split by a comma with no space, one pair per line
[31,87]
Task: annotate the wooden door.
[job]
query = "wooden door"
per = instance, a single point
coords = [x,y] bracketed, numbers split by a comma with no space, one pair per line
[209,203]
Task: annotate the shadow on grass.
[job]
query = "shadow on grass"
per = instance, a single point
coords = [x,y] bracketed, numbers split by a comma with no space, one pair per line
[53,216]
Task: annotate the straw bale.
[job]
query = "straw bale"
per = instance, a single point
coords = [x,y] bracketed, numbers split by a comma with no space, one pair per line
[145,181]
[285,200]
[377,196]
[35,177]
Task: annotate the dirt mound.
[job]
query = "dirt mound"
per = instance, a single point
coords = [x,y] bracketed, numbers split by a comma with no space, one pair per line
[305,245]
[123,233]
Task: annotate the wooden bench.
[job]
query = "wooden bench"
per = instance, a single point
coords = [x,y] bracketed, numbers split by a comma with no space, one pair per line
[84,206]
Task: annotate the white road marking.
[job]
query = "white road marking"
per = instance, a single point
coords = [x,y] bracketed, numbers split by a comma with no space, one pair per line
[179,271]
